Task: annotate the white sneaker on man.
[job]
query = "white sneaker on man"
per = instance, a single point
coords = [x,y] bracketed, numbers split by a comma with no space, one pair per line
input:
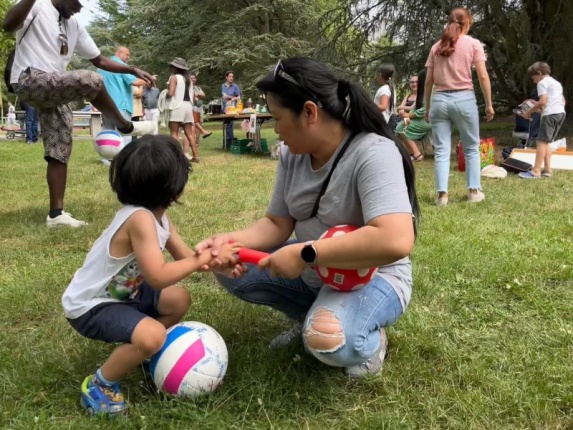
[64,220]
[141,128]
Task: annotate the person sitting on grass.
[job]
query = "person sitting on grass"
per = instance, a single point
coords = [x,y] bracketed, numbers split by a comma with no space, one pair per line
[551,104]
[319,116]
[410,100]
[414,127]
[125,291]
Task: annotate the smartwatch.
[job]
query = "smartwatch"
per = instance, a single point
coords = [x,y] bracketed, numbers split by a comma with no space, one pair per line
[308,253]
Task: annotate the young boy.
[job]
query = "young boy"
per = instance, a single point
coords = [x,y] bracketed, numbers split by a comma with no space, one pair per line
[551,104]
[125,291]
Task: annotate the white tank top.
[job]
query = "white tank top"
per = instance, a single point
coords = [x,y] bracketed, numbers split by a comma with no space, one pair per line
[104,278]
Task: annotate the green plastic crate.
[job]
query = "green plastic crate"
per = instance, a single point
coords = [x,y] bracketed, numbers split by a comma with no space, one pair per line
[238,149]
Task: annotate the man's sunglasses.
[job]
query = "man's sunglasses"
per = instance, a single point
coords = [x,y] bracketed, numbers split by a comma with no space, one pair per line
[63,44]
[63,39]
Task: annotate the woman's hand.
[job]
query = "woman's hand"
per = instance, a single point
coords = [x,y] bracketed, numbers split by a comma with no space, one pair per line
[489,113]
[233,272]
[227,262]
[427,115]
[228,254]
[214,245]
[286,262]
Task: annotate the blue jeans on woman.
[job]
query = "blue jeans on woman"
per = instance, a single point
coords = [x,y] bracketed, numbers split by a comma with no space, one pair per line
[361,313]
[458,109]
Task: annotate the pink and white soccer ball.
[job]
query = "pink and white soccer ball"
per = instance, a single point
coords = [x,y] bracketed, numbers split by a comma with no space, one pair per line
[344,279]
[192,362]
[108,143]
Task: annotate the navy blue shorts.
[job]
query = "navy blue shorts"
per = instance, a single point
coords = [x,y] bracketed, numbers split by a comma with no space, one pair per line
[115,322]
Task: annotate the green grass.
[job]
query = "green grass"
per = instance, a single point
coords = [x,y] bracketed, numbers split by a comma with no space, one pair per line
[486,342]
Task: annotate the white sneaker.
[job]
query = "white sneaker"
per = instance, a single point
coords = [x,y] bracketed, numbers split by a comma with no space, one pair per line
[64,220]
[189,157]
[141,128]
[476,197]
[374,364]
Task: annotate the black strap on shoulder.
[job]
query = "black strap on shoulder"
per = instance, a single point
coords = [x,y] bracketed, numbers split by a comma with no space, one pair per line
[327,180]
[27,28]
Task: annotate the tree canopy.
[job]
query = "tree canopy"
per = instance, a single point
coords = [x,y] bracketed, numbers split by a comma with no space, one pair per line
[353,36]
[213,36]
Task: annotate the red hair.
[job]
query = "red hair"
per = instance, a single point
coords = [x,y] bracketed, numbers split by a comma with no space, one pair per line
[458,20]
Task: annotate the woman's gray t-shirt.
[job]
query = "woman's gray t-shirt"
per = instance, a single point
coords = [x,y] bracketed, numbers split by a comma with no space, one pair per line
[367,182]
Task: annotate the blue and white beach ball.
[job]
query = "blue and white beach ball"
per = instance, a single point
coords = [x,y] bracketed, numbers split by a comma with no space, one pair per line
[108,143]
[192,362]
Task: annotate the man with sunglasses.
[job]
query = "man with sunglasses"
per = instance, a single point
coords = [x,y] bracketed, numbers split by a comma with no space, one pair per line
[47,35]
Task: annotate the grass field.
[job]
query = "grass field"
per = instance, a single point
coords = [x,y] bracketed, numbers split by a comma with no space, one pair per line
[486,342]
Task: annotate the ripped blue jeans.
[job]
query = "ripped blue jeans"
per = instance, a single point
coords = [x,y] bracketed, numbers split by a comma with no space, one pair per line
[359,314]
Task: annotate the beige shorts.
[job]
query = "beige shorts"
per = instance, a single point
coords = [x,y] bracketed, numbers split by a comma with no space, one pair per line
[183,114]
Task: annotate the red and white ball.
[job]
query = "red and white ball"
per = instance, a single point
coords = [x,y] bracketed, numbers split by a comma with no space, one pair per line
[108,143]
[192,362]
[344,279]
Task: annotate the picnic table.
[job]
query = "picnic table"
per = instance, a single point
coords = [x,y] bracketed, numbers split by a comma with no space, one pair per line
[226,119]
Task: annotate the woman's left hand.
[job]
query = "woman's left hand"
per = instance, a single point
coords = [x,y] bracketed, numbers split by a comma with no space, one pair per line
[286,262]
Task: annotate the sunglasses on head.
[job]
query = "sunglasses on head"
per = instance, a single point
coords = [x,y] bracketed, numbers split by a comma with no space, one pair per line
[280,71]
[63,44]
[63,39]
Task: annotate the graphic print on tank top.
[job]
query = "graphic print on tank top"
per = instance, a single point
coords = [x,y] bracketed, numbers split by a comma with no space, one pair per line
[124,285]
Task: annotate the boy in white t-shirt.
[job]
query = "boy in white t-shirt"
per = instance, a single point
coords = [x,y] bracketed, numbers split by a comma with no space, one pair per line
[125,291]
[551,104]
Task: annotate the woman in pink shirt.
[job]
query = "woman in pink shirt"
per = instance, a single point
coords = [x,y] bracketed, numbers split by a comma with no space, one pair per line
[450,100]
